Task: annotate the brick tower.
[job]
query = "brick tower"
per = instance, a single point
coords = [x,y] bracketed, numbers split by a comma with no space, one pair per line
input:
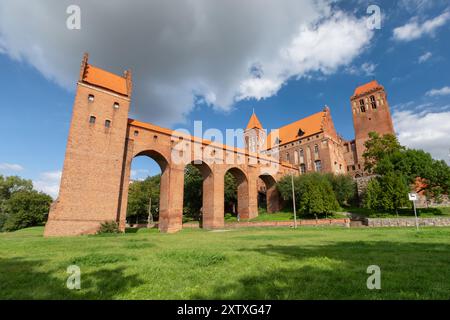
[371,113]
[99,123]
[254,135]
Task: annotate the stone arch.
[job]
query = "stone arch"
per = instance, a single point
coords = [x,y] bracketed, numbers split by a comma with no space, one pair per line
[272,194]
[242,191]
[207,215]
[171,190]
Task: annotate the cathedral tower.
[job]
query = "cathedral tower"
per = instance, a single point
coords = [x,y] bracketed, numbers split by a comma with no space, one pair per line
[371,113]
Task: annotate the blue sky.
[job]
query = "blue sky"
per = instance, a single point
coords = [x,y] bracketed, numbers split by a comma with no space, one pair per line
[203,73]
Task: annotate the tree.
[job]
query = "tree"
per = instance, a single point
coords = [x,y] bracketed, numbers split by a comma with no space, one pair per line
[12,184]
[230,192]
[344,188]
[313,193]
[379,147]
[193,195]
[9,186]
[139,194]
[388,192]
[385,157]
[26,209]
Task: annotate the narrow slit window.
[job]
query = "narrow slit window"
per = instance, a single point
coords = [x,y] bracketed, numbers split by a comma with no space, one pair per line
[373,102]
[362,106]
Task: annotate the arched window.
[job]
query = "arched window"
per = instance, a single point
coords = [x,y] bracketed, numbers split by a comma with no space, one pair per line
[91,98]
[316,149]
[302,168]
[301,154]
[318,165]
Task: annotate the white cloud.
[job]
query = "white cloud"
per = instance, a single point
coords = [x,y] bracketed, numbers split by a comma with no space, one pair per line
[426,131]
[445,91]
[366,69]
[48,183]
[414,30]
[181,49]
[139,174]
[425,57]
[10,167]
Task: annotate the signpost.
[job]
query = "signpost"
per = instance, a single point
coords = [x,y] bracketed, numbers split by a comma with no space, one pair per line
[414,197]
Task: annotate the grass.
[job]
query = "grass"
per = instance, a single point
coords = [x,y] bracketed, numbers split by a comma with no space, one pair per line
[275,263]
[263,216]
[404,212]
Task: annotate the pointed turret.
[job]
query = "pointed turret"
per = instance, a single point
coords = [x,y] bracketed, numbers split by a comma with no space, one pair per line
[254,122]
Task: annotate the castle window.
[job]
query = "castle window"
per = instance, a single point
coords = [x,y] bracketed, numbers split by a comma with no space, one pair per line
[316,149]
[302,155]
[287,157]
[318,165]
[116,105]
[362,107]
[107,123]
[302,168]
[92,120]
[136,133]
[373,102]
[91,98]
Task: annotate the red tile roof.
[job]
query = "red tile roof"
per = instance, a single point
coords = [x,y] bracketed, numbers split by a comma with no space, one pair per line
[310,125]
[367,87]
[105,79]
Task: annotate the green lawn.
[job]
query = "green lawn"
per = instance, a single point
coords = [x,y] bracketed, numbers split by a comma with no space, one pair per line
[283,216]
[272,263]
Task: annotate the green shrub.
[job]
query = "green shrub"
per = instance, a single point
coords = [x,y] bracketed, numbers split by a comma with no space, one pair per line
[108,227]
[25,209]
[313,193]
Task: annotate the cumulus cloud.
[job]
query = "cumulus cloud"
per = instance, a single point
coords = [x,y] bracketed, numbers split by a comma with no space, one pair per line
[48,182]
[414,29]
[425,57]
[10,167]
[183,51]
[424,130]
[445,91]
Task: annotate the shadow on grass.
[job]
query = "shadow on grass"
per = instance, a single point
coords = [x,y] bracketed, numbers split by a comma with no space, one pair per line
[339,271]
[25,279]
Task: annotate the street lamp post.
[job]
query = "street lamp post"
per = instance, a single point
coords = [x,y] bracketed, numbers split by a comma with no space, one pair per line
[293,201]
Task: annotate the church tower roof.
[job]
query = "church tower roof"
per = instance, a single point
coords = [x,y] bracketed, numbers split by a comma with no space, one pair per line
[254,122]
[372,85]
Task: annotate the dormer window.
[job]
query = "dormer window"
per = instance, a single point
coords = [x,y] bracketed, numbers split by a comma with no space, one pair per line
[300,133]
[116,105]
[91,98]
